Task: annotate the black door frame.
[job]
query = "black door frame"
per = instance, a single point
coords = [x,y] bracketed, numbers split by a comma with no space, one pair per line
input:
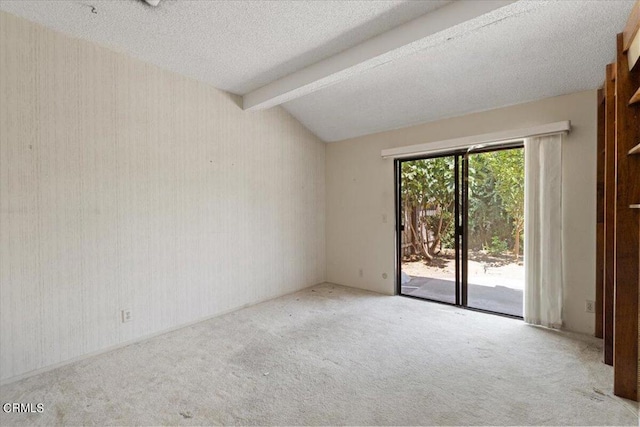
[461,213]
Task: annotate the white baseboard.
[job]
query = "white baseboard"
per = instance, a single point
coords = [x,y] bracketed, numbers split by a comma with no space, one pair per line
[142,338]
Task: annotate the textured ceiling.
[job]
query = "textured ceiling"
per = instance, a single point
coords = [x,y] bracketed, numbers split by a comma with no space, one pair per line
[525,51]
[236,46]
[544,50]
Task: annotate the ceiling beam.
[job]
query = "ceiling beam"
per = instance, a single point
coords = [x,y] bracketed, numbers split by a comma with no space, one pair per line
[399,42]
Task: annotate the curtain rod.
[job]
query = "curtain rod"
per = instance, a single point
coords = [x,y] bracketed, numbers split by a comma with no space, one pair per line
[486,139]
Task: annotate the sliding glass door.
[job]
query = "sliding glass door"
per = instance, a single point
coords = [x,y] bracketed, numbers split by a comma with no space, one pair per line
[429,265]
[494,227]
[460,228]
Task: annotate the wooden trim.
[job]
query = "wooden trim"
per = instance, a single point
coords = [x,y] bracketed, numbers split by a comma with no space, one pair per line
[599,321]
[632,26]
[600,216]
[625,342]
[609,212]
[635,98]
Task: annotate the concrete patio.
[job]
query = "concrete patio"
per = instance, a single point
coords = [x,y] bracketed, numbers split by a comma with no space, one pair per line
[500,299]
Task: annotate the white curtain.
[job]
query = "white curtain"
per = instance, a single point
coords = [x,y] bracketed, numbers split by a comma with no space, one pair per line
[543,231]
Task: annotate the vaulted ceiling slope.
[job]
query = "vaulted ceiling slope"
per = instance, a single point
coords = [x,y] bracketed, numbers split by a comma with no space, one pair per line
[236,46]
[524,51]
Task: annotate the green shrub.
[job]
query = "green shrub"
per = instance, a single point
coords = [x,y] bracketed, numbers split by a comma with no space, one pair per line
[497,246]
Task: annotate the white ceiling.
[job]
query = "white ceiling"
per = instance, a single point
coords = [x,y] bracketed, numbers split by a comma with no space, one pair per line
[522,52]
[236,46]
[551,49]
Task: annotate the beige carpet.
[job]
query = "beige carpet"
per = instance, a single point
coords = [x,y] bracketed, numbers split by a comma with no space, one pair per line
[333,355]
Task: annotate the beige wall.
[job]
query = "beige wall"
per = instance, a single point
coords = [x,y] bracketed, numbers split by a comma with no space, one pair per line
[360,194]
[126,186]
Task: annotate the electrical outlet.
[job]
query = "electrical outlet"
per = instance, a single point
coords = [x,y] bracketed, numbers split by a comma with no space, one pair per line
[125,315]
[360,273]
[591,306]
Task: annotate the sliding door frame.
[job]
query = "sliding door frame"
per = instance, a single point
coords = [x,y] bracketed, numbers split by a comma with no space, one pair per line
[461,213]
[457,156]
